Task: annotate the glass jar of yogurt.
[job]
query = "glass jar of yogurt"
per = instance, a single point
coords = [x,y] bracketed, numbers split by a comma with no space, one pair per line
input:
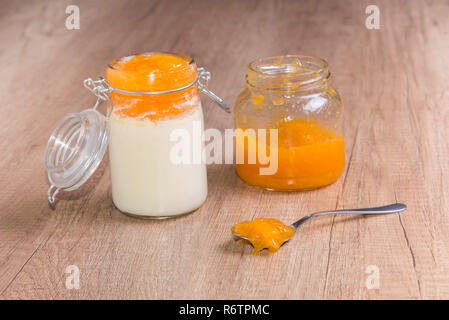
[154,128]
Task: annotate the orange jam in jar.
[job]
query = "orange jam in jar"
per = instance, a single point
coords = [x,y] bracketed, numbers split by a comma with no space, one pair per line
[153,72]
[264,233]
[292,95]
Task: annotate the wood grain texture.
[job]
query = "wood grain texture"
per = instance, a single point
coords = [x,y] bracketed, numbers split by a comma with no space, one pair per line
[393,82]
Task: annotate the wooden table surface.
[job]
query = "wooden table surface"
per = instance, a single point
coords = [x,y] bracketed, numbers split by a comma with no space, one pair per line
[393,82]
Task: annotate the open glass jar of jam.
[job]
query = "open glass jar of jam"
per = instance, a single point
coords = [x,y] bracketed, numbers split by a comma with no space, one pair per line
[292,96]
[154,113]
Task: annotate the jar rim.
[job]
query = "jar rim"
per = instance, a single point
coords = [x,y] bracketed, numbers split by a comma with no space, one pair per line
[253,65]
[288,72]
[113,63]
[151,78]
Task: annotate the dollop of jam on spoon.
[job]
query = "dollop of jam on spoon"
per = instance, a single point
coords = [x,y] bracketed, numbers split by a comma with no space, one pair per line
[263,233]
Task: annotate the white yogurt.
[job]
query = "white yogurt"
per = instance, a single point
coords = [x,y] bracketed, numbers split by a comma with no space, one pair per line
[145,182]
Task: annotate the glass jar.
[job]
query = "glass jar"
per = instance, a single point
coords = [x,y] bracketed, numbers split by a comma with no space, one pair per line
[154,129]
[291,96]
[145,181]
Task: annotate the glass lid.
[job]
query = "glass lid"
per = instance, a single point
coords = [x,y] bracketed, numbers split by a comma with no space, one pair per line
[75,149]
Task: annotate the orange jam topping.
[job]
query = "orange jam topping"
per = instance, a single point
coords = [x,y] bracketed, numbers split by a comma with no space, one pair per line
[310,155]
[264,233]
[149,73]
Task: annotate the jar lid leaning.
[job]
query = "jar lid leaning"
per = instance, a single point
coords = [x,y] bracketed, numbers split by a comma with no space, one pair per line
[77,145]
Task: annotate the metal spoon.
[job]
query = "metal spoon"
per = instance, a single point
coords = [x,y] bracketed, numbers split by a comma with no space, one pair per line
[391,208]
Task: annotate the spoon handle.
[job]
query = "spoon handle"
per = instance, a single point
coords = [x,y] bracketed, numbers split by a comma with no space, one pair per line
[391,208]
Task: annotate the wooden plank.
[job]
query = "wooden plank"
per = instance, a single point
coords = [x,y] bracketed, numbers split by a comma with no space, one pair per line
[393,84]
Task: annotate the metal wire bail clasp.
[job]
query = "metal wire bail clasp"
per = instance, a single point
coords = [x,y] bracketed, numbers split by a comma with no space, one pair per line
[51,193]
[101,89]
[203,78]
